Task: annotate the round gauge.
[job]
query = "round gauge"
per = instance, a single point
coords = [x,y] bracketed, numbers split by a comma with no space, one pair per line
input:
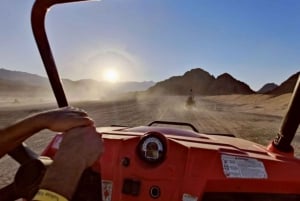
[151,148]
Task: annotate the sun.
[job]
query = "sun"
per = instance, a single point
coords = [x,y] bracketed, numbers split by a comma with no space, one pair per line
[111,75]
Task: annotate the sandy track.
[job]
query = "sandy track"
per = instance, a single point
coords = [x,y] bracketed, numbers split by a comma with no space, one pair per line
[209,116]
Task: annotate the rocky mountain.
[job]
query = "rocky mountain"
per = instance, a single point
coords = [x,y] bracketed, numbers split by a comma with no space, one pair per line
[286,86]
[196,79]
[202,83]
[267,88]
[226,84]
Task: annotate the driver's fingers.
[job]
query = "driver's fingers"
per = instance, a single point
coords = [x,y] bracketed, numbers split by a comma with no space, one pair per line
[76,115]
[84,121]
[74,122]
[77,111]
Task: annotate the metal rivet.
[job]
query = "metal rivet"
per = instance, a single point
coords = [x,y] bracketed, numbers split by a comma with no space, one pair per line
[154,192]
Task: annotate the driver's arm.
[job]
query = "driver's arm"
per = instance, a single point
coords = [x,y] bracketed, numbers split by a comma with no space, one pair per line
[79,149]
[59,120]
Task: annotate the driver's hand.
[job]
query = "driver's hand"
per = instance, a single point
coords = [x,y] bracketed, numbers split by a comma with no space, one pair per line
[79,149]
[80,145]
[63,119]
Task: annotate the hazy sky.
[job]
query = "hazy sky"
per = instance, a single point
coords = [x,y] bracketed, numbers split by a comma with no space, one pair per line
[256,41]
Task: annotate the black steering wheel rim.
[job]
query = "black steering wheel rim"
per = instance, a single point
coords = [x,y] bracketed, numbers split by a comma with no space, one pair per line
[28,176]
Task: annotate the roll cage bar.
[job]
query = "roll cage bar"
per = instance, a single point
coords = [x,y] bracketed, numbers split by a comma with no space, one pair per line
[288,126]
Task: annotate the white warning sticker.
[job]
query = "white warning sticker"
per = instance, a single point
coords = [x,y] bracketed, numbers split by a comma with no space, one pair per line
[242,167]
[188,197]
[107,186]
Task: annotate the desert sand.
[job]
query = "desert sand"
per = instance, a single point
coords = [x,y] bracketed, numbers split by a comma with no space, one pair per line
[253,117]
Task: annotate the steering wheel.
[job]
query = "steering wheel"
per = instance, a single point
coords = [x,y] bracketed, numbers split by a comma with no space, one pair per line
[28,176]
[31,172]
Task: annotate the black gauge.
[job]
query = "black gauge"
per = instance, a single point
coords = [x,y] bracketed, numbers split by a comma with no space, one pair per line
[152,148]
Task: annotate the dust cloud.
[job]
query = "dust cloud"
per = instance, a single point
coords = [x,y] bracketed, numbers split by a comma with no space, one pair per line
[252,117]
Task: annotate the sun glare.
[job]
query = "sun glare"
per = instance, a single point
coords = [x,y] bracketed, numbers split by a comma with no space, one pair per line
[111,75]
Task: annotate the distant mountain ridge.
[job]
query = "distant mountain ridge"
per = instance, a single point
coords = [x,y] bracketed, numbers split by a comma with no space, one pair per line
[14,83]
[267,88]
[22,77]
[27,84]
[202,83]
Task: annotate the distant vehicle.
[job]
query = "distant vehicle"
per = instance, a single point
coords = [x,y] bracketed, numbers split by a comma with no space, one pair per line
[150,162]
[190,100]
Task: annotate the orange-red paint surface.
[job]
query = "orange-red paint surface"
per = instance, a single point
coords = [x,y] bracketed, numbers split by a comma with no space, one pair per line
[193,165]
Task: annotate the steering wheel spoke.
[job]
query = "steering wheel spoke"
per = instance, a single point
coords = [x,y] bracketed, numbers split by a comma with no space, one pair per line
[22,154]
